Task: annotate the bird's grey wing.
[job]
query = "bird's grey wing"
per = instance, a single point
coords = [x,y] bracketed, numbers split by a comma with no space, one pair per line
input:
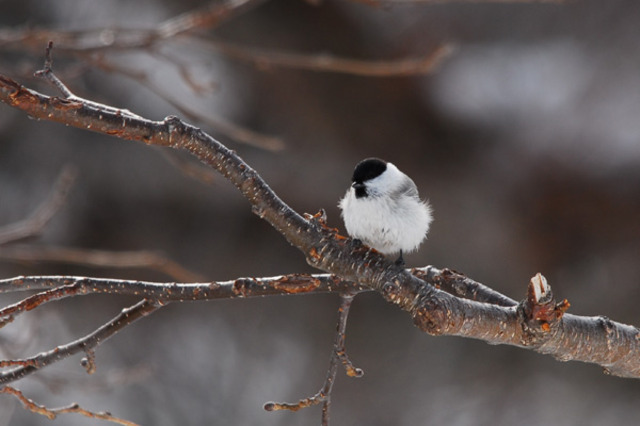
[407,188]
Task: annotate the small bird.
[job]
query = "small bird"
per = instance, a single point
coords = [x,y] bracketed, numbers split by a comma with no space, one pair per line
[383,210]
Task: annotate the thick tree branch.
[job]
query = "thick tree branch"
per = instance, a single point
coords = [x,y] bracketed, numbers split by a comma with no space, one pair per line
[598,340]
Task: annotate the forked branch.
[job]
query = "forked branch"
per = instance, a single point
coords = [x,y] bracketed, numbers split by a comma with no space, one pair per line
[60,287]
[86,344]
[338,356]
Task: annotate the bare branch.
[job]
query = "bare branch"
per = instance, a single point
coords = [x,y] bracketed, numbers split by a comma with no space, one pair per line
[207,16]
[100,258]
[459,285]
[169,132]
[266,59]
[221,125]
[538,323]
[47,73]
[84,344]
[114,38]
[101,40]
[612,345]
[34,224]
[338,355]
[52,413]
[59,287]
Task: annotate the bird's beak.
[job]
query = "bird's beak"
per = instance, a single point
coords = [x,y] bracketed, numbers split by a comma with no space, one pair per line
[357,185]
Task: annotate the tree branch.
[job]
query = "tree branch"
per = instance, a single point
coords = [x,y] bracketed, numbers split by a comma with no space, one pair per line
[614,346]
[85,344]
[52,413]
[538,323]
[266,59]
[221,125]
[60,287]
[100,258]
[34,224]
[338,355]
[115,38]
[459,285]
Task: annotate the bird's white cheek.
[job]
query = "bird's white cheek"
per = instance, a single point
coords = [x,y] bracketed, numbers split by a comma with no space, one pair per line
[360,218]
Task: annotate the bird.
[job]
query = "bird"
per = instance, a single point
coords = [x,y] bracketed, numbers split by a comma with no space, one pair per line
[383,210]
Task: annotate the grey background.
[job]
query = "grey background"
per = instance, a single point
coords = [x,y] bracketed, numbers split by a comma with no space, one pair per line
[525,141]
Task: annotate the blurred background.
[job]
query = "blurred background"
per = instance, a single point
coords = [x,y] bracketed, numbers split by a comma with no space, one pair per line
[524,136]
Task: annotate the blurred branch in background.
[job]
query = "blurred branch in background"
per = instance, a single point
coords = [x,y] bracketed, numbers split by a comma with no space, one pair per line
[99,258]
[92,49]
[267,60]
[118,39]
[235,132]
[37,221]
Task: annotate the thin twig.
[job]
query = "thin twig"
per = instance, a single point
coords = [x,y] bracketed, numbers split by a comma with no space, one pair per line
[52,413]
[208,16]
[86,343]
[267,59]
[221,125]
[182,67]
[338,355]
[100,258]
[181,28]
[341,335]
[114,38]
[47,73]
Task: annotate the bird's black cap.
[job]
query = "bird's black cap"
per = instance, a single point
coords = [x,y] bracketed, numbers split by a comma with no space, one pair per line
[368,169]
